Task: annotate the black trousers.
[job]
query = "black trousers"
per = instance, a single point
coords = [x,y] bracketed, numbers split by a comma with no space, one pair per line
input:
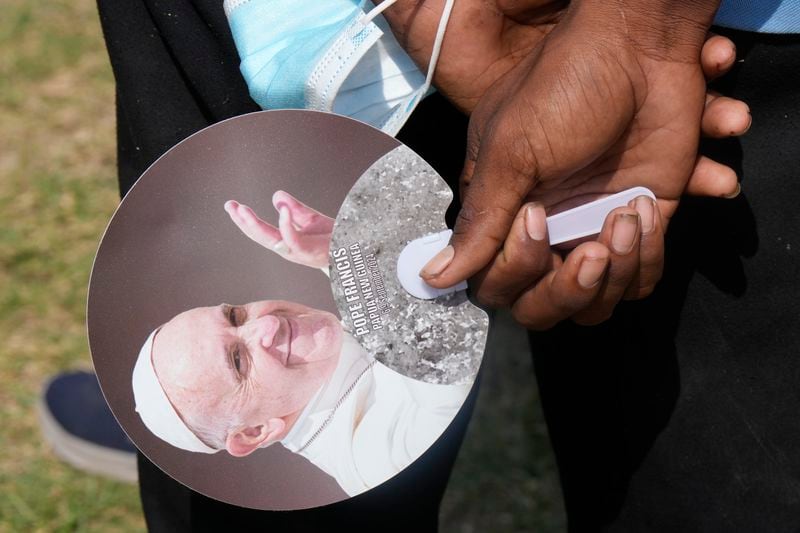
[679,414]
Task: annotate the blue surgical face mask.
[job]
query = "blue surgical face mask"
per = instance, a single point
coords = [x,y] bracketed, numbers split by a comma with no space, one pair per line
[328,55]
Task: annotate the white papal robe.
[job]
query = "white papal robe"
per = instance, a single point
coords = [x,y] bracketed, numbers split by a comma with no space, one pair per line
[386,422]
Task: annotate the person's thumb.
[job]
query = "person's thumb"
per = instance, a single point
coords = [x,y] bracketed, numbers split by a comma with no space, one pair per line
[496,190]
[291,237]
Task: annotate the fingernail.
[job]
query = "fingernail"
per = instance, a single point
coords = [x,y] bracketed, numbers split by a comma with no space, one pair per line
[647,213]
[439,262]
[735,193]
[591,271]
[535,223]
[626,225]
[750,122]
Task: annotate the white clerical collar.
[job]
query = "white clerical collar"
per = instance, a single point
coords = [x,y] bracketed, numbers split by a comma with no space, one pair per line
[353,359]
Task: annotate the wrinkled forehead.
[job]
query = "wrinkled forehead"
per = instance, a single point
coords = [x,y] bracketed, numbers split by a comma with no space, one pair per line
[189,350]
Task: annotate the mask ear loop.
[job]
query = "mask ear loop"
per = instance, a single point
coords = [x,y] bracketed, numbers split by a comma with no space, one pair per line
[437,42]
[377,10]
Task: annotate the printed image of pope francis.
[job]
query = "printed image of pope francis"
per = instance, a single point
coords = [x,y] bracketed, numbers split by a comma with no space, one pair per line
[243,377]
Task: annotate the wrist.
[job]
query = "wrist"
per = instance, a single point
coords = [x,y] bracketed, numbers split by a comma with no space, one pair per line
[673,30]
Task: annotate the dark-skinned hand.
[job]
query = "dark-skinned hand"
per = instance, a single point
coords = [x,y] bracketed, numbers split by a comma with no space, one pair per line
[564,109]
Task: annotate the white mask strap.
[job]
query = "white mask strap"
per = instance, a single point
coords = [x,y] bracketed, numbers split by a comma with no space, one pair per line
[437,43]
[377,10]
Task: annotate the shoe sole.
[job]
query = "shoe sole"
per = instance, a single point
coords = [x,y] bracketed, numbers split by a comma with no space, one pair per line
[86,455]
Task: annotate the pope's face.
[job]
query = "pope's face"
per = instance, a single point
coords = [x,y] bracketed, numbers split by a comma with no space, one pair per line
[247,363]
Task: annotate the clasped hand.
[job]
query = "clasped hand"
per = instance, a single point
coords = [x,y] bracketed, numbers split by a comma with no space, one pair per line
[566,106]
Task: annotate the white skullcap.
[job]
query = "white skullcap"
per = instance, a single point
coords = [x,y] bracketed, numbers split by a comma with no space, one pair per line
[154,407]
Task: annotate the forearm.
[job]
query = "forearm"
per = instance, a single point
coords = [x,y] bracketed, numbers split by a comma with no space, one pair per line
[664,29]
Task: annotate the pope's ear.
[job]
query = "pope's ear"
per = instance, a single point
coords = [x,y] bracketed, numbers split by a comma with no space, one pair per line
[245,439]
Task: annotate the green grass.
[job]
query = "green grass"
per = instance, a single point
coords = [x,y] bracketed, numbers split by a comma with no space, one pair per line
[505,478]
[57,192]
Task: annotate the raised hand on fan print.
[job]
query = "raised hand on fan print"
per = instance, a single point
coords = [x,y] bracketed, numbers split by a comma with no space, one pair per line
[303,234]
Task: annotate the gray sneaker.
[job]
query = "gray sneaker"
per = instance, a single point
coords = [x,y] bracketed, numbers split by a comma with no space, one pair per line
[78,424]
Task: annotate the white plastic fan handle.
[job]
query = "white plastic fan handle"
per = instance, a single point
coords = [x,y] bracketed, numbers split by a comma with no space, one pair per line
[588,219]
[575,223]
[416,255]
